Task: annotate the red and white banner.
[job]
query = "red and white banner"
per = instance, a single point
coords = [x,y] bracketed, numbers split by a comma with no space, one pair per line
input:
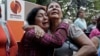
[15,10]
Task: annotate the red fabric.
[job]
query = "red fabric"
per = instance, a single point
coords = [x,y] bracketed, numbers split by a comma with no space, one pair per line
[13,47]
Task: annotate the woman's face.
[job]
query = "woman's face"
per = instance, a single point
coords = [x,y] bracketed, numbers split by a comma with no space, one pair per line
[41,19]
[82,14]
[54,10]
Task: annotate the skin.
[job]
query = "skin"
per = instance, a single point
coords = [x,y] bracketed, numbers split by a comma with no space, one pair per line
[82,14]
[55,14]
[41,24]
[42,20]
[95,40]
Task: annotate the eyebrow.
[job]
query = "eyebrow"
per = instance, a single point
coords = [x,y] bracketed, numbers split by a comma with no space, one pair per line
[41,13]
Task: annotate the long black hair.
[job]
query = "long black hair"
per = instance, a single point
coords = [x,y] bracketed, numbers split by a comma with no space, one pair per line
[31,16]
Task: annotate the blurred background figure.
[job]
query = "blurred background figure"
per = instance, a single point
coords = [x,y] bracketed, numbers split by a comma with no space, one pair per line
[80,21]
[96,31]
[92,25]
[8,45]
[95,35]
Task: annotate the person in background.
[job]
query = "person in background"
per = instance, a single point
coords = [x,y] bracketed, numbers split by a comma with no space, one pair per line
[95,35]
[8,45]
[92,25]
[96,31]
[86,47]
[80,21]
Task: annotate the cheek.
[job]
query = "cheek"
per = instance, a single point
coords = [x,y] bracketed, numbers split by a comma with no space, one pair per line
[38,22]
[61,13]
[48,11]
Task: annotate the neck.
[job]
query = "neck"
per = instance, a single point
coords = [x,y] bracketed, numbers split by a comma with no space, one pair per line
[54,24]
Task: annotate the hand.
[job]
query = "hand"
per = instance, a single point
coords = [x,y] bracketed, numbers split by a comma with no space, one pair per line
[39,32]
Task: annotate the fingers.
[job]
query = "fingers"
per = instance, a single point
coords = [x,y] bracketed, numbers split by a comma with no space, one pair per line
[39,32]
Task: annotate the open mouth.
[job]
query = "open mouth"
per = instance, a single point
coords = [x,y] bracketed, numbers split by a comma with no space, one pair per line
[45,23]
[54,12]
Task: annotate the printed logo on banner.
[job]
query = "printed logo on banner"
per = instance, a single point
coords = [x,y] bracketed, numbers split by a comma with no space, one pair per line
[15,10]
[15,7]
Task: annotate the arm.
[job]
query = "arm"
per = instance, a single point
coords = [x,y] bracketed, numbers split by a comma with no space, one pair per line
[55,40]
[13,44]
[95,40]
[87,48]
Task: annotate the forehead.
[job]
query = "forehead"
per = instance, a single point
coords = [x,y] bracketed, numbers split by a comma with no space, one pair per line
[54,3]
[82,12]
[41,11]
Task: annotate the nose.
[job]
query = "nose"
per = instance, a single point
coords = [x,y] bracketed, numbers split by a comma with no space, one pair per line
[54,7]
[45,18]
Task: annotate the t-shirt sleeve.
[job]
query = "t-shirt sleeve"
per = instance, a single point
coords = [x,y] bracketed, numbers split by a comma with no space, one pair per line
[74,31]
[76,23]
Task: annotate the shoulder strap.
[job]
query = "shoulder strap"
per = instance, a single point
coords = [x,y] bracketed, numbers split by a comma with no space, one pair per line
[3,24]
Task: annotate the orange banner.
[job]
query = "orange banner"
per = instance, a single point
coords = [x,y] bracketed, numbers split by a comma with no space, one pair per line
[16,27]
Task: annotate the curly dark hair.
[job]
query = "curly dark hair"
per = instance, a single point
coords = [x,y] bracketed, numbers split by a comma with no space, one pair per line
[31,16]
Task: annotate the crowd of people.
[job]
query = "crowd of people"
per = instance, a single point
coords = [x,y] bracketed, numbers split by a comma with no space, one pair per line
[47,34]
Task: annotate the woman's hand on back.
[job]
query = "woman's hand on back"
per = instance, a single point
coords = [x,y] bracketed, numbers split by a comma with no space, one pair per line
[39,32]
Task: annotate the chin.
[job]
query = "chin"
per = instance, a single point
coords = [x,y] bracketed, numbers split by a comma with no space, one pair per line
[55,17]
[47,26]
